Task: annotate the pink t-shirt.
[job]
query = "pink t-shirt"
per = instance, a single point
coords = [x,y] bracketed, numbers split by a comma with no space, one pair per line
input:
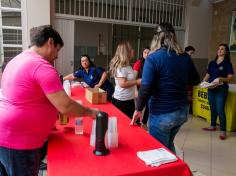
[26,115]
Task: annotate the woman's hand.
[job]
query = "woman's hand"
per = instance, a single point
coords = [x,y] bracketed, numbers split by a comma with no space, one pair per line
[97,86]
[215,83]
[139,81]
[218,81]
[137,115]
[102,80]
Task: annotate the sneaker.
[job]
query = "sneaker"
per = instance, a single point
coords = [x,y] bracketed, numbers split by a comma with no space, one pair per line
[42,166]
[209,129]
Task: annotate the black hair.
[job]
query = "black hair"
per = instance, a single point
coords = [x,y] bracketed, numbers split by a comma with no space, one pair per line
[40,35]
[227,52]
[141,57]
[142,60]
[189,48]
[91,64]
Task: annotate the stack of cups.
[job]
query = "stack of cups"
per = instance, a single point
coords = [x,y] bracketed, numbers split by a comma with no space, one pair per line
[93,134]
[111,138]
[67,87]
[112,133]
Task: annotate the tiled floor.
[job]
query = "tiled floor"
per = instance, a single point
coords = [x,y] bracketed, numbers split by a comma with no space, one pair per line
[204,152]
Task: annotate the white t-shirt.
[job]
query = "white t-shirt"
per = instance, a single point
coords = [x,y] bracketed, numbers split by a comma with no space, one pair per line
[120,93]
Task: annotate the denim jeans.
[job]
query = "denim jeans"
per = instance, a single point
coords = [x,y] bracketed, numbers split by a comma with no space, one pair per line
[217,98]
[164,127]
[19,162]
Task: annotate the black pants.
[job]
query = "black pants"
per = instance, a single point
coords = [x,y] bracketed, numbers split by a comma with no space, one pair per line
[43,150]
[127,107]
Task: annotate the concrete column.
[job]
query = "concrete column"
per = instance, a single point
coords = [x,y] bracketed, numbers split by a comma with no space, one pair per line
[198,26]
[34,13]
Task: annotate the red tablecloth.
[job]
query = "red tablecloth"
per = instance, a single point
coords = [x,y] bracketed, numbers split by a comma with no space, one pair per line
[72,155]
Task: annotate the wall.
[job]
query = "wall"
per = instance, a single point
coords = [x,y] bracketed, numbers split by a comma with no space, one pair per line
[197,33]
[198,26]
[34,13]
[221,23]
[87,34]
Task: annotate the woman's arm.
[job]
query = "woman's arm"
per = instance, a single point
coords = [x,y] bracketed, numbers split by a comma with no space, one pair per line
[230,72]
[69,77]
[102,80]
[206,78]
[124,83]
[136,76]
[143,96]
[228,79]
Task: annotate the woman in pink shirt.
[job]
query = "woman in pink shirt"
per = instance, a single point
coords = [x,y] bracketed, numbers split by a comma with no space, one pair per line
[32,95]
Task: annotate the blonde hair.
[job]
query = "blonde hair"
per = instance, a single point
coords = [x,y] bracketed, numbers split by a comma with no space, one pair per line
[121,58]
[165,36]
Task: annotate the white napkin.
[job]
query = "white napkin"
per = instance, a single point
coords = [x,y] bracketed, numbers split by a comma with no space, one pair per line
[205,84]
[156,157]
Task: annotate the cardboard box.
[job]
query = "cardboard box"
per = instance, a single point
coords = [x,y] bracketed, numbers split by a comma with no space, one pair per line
[96,95]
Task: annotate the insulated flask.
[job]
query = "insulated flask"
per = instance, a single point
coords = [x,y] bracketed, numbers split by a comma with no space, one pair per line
[101,128]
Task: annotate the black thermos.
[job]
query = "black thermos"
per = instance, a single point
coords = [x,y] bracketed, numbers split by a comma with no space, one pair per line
[101,128]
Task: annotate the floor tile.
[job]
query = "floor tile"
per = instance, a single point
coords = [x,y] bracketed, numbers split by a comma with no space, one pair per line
[204,152]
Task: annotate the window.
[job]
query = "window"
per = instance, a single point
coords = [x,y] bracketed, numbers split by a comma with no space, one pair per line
[10,29]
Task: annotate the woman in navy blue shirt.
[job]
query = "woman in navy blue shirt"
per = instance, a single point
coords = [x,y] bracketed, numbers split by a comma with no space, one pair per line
[95,77]
[167,72]
[219,72]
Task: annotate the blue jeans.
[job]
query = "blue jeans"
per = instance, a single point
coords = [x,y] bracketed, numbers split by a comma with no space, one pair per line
[164,127]
[217,98]
[19,162]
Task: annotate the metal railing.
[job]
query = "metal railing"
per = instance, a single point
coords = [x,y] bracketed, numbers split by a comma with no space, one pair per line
[133,12]
[10,36]
[10,52]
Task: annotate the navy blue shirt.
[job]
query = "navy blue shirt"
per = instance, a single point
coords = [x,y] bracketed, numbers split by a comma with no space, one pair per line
[165,78]
[93,77]
[222,69]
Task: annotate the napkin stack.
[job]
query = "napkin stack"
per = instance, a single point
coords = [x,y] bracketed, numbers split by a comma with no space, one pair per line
[156,157]
[206,85]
